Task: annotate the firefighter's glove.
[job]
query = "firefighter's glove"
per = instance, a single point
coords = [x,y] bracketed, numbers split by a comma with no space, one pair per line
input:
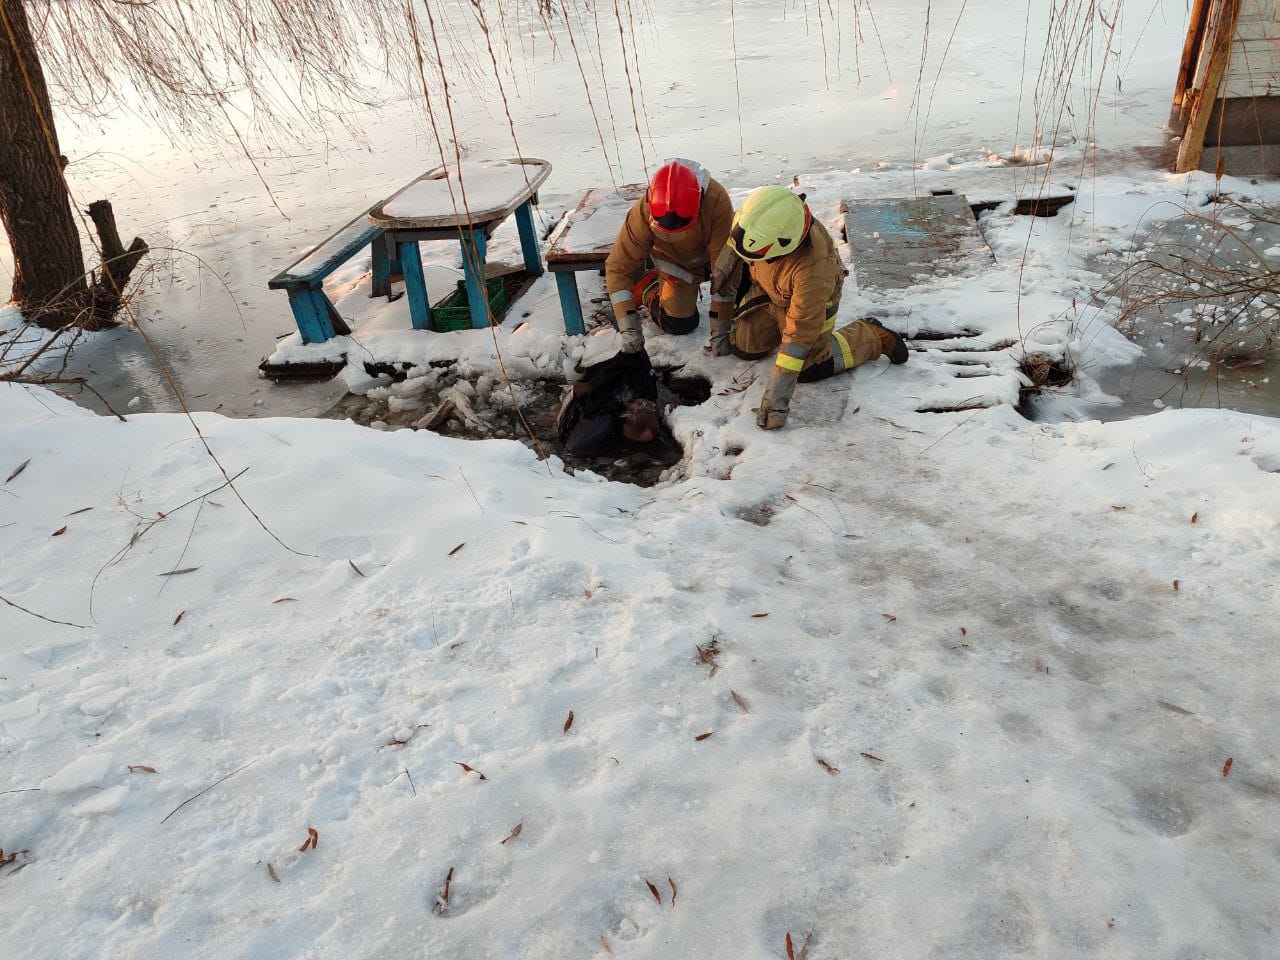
[728,275]
[632,334]
[776,402]
[721,324]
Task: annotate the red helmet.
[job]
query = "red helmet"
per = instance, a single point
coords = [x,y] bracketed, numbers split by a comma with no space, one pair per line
[675,197]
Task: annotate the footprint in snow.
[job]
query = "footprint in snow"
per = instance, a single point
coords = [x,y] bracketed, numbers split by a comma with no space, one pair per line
[83,773]
[102,700]
[102,802]
[1268,464]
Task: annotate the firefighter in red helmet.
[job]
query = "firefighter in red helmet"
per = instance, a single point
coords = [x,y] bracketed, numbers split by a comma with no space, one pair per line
[666,248]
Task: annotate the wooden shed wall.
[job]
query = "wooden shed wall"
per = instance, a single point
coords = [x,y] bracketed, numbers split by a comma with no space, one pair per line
[1254,70]
[1226,102]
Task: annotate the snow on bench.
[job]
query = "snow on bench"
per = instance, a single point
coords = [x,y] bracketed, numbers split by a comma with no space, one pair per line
[474,194]
[583,240]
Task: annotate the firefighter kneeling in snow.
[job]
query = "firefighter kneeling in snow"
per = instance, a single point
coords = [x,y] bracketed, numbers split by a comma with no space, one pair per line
[786,282]
[680,226]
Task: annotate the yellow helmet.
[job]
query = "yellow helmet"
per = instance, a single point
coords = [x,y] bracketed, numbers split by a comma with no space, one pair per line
[771,223]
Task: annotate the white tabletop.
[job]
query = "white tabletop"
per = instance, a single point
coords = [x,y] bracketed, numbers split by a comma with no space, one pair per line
[477,192]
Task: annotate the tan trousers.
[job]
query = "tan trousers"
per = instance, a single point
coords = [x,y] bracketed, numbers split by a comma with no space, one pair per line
[858,342]
[757,332]
[678,298]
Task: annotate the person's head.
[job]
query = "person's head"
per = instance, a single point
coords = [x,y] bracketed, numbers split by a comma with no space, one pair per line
[675,197]
[640,422]
[771,223]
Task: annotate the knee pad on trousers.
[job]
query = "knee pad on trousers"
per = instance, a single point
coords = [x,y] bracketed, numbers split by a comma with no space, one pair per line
[741,354]
[678,325]
[819,371]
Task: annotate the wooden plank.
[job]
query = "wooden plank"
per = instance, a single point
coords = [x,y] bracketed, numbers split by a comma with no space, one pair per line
[1254,10]
[1255,30]
[473,262]
[570,304]
[415,285]
[1254,70]
[905,241]
[586,234]
[1243,122]
[1243,89]
[494,189]
[311,312]
[1243,161]
[311,370]
[326,256]
[1190,54]
[380,278]
[1201,100]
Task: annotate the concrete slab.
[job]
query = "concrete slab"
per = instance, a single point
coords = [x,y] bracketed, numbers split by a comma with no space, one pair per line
[905,241]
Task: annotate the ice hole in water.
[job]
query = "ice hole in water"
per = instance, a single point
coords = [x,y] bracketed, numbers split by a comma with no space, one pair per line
[437,398]
[1044,372]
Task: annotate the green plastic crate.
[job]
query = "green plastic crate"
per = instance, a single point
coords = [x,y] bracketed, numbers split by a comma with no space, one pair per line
[454,312]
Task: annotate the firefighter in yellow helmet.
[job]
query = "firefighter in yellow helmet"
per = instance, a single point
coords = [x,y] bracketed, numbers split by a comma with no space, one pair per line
[666,248]
[786,284]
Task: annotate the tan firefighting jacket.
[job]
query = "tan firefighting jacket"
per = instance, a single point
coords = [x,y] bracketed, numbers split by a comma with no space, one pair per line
[805,287]
[687,255]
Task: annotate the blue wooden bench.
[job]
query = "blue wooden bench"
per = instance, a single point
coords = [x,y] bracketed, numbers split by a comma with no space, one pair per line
[432,214]
[317,318]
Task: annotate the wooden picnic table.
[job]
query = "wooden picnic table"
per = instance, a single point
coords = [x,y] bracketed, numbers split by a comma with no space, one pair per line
[583,240]
[466,203]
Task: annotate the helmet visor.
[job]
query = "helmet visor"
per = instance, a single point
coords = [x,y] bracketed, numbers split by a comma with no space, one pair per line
[672,222]
[738,238]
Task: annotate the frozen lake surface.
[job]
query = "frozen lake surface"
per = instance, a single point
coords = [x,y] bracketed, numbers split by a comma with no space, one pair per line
[813,97]
[1189,358]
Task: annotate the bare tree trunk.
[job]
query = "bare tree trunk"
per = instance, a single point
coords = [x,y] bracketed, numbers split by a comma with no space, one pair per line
[49,282]
[107,291]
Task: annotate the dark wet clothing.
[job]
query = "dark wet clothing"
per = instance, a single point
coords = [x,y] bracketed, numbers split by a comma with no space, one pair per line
[590,421]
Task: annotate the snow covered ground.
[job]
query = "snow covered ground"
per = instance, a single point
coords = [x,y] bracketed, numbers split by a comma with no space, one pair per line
[912,684]
[889,683]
